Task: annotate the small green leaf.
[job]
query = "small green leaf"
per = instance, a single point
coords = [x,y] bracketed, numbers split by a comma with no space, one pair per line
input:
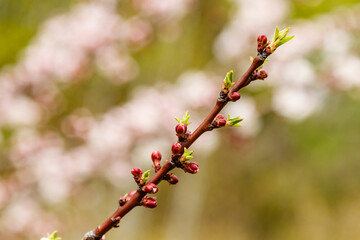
[285,40]
[276,34]
[251,59]
[145,176]
[228,80]
[53,236]
[177,119]
[187,155]
[234,122]
[283,33]
[186,118]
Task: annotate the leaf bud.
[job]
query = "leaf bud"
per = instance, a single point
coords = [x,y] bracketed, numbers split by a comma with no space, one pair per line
[234,96]
[176,148]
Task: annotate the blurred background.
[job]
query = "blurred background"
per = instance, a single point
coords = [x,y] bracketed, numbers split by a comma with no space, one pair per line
[88,89]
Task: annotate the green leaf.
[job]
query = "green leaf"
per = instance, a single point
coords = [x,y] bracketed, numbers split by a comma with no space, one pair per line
[251,59]
[145,176]
[276,34]
[234,122]
[283,33]
[53,236]
[177,119]
[285,40]
[186,118]
[187,155]
[228,80]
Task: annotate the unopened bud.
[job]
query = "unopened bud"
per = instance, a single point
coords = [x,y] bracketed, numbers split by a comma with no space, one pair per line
[262,40]
[176,148]
[268,50]
[136,171]
[171,178]
[150,188]
[181,129]
[149,202]
[191,167]
[262,74]
[234,96]
[156,156]
[219,121]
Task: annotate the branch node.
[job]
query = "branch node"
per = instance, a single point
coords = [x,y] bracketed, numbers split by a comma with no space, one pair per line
[91,236]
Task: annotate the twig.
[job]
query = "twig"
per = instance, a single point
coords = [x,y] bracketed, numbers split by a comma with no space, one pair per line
[213,120]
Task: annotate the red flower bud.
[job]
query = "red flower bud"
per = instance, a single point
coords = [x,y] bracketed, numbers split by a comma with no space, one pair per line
[268,50]
[234,96]
[219,116]
[150,188]
[176,148]
[181,129]
[149,202]
[191,167]
[262,40]
[156,156]
[136,172]
[219,121]
[262,74]
[171,178]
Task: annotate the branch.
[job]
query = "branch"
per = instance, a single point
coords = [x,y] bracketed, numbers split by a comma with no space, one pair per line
[229,92]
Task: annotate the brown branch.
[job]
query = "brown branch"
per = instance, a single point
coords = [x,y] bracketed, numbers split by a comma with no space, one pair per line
[169,165]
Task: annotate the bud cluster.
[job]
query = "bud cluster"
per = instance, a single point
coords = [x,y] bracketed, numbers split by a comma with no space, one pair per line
[265,48]
[258,74]
[220,121]
[140,177]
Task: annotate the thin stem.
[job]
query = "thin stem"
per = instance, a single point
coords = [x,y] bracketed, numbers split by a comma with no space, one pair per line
[168,166]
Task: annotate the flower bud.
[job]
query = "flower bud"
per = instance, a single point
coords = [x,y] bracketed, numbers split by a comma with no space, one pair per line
[176,148]
[181,129]
[149,202]
[234,96]
[191,167]
[219,121]
[268,50]
[150,188]
[156,156]
[262,40]
[262,74]
[136,171]
[173,179]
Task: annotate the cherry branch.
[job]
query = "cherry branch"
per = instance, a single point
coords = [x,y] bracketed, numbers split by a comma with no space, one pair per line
[180,153]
